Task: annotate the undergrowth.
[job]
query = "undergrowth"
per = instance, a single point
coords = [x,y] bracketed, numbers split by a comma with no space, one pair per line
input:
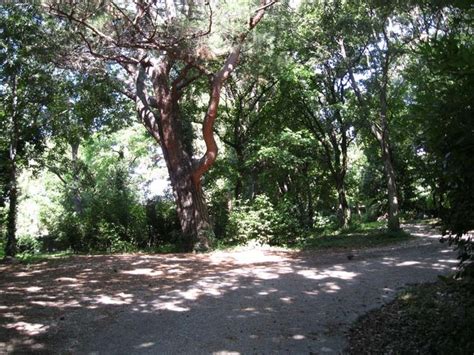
[435,318]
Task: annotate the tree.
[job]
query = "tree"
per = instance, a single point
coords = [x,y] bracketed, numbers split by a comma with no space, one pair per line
[83,105]
[333,131]
[164,48]
[111,216]
[26,87]
[246,95]
[381,48]
[318,94]
[442,110]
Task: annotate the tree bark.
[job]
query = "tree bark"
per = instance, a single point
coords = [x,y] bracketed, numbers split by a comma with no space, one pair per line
[383,138]
[76,191]
[240,171]
[344,212]
[310,210]
[10,246]
[340,167]
[192,210]
[381,134]
[191,206]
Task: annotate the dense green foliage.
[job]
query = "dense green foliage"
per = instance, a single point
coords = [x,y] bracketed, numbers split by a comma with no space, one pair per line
[261,220]
[27,87]
[327,98]
[443,110]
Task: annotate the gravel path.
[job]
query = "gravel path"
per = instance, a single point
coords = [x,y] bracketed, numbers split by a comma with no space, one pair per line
[244,301]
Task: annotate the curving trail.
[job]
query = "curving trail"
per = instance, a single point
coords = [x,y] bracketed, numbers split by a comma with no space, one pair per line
[245,301]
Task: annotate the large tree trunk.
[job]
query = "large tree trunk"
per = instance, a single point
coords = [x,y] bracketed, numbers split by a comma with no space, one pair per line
[191,205]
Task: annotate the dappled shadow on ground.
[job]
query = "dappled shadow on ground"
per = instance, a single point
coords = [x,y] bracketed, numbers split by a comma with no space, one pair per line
[422,230]
[248,301]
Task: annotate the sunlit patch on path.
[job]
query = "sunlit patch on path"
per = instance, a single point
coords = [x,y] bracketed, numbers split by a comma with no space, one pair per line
[250,300]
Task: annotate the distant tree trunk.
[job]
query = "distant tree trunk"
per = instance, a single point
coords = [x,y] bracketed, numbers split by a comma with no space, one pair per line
[151,223]
[240,170]
[344,212]
[381,133]
[254,186]
[383,139]
[76,192]
[10,247]
[340,167]
[310,214]
[393,207]
[434,211]
[309,210]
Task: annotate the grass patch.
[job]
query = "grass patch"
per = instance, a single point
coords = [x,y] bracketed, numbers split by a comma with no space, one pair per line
[27,258]
[32,258]
[358,240]
[435,318]
[364,227]
[168,248]
[360,236]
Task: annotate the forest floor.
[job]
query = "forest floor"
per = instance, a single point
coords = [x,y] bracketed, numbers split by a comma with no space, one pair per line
[428,318]
[248,300]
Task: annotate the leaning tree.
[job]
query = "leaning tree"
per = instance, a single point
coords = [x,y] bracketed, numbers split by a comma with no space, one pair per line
[163,47]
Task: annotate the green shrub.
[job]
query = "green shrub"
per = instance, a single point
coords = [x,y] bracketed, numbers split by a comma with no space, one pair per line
[116,245]
[28,244]
[219,213]
[325,222]
[162,223]
[260,220]
[72,232]
[246,222]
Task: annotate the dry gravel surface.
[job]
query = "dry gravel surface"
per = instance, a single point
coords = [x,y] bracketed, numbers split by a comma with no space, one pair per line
[249,300]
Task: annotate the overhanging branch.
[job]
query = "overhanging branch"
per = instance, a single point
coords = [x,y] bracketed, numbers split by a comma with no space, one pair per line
[203,165]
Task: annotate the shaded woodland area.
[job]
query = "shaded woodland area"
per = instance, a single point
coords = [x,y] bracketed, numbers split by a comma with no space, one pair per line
[293,146]
[189,125]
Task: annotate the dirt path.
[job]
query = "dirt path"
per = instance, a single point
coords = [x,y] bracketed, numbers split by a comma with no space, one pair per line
[247,301]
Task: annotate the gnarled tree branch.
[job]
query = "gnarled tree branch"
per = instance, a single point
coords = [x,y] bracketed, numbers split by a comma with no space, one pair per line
[202,165]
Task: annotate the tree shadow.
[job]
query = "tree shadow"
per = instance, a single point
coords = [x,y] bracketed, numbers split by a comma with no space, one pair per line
[243,302]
